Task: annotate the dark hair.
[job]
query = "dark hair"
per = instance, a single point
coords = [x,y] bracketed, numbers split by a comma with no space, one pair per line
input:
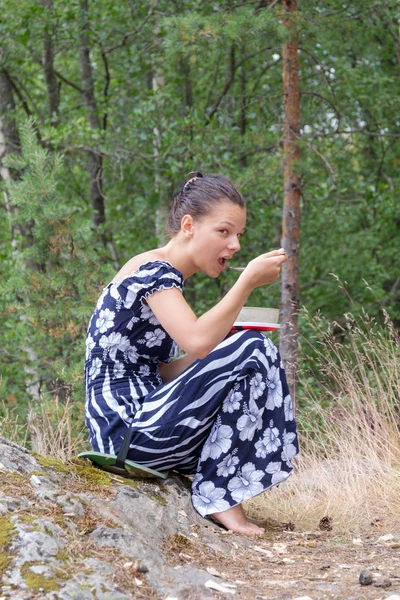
[198,196]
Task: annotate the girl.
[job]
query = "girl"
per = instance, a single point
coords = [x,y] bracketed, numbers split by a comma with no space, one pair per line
[222,411]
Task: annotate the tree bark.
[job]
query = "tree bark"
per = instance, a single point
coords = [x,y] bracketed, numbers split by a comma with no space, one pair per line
[243,106]
[95,166]
[292,195]
[53,87]
[7,106]
[157,82]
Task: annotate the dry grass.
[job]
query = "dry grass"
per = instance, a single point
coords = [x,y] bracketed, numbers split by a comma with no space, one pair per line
[11,426]
[349,467]
[51,431]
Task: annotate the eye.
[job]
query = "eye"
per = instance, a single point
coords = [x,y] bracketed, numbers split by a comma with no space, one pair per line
[223,231]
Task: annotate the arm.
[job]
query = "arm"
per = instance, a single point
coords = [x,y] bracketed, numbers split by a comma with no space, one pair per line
[198,336]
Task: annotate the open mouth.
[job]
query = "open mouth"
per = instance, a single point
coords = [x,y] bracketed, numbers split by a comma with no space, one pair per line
[222,263]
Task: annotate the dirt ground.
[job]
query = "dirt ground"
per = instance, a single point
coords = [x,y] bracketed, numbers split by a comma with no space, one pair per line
[284,565]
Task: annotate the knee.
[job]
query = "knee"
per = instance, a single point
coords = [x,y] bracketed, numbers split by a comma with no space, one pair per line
[257,343]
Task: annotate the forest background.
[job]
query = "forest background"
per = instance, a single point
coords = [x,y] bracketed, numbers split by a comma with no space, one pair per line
[106,106]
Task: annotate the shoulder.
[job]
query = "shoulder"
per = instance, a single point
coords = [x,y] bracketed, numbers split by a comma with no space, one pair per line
[134,264]
[152,276]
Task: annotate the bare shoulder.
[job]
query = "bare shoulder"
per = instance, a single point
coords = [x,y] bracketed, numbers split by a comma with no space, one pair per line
[135,262]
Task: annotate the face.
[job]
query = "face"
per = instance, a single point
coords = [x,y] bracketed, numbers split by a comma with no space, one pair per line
[215,238]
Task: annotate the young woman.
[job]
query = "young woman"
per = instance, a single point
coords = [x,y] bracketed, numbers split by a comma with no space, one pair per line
[222,411]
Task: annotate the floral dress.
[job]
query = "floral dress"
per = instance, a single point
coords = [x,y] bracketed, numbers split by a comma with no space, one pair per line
[227,418]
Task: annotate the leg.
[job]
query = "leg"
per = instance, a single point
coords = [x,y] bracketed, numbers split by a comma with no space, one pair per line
[229,413]
[235,519]
[174,421]
[252,441]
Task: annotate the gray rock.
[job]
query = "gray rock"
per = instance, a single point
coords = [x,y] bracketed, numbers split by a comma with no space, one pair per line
[382,583]
[366,578]
[70,506]
[78,540]
[17,459]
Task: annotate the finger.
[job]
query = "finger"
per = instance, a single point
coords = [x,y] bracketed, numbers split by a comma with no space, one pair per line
[282,258]
[277,252]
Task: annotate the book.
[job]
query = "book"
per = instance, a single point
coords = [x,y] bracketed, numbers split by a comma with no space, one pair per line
[254,317]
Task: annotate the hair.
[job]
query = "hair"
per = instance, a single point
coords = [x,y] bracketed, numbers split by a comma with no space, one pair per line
[198,196]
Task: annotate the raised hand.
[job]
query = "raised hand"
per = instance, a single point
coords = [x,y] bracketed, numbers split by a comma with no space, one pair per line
[264,269]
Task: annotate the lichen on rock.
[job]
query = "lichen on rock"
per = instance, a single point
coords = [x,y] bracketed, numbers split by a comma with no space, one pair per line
[73,531]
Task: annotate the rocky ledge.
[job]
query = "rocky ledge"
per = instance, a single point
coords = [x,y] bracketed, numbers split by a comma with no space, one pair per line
[71,531]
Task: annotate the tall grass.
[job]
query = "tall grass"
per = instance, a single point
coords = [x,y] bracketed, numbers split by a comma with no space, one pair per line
[53,428]
[53,431]
[349,423]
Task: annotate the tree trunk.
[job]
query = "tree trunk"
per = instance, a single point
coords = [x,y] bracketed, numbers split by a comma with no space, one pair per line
[95,159]
[243,103]
[292,195]
[53,88]
[7,107]
[95,166]
[157,82]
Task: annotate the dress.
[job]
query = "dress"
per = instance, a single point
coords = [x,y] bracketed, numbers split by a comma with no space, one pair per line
[227,418]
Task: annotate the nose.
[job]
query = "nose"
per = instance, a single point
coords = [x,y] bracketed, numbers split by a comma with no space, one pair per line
[234,244]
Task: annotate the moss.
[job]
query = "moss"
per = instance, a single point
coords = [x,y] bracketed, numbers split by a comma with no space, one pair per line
[92,475]
[7,532]
[157,498]
[13,477]
[133,483]
[62,555]
[4,563]
[29,520]
[51,463]
[36,581]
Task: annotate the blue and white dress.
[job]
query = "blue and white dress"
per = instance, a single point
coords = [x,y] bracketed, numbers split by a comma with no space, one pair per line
[227,418]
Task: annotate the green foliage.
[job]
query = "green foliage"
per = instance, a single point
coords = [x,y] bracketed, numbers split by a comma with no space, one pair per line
[49,293]
[180,87]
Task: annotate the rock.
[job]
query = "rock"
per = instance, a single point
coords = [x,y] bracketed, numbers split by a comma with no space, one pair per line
[382,583]
[393,597]
[69,531]
[366,578]
[280,548]
[224,587]
[385,538]
[267,553]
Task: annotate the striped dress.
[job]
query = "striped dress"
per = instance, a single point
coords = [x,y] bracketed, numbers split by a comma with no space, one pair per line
[227,419]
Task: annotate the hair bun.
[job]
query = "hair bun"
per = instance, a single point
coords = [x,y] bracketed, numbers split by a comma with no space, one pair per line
[193,174]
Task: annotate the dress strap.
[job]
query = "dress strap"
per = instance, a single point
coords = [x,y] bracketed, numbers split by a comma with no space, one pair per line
[123,451]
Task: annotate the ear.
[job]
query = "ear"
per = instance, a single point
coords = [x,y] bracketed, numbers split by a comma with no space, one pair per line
[187,225]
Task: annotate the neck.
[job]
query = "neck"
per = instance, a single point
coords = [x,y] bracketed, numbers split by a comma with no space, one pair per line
[175,252]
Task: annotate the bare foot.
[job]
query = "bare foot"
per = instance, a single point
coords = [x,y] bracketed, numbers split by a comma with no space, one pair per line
[234,519]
